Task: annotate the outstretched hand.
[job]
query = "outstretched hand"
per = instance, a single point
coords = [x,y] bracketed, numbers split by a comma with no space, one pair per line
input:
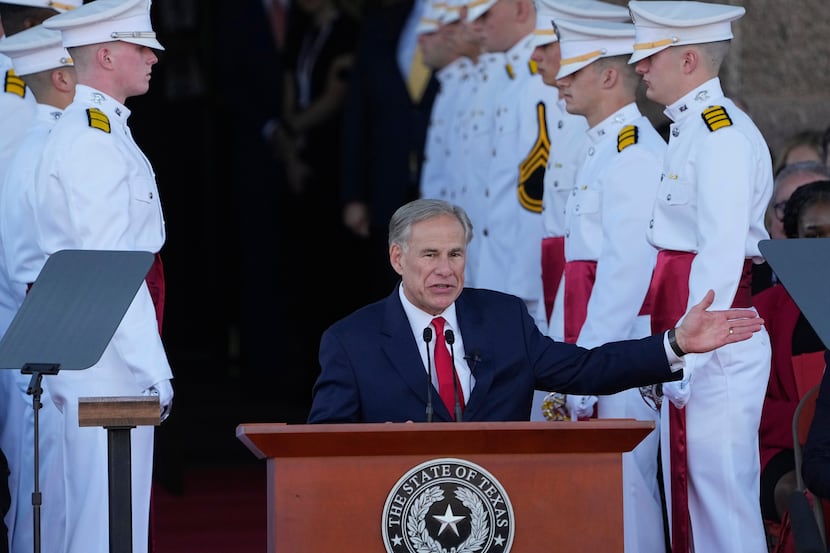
[703,330]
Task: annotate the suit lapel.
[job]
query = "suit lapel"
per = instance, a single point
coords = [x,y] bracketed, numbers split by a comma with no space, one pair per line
[401,348]
[471,322]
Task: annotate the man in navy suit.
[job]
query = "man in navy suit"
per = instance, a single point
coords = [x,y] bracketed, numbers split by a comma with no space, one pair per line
[377,365]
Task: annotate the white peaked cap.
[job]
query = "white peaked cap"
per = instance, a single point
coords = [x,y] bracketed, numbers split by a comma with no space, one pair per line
[105,21]
[477,8]
[34,50]
[452,13]
[661,24]
[583,42]
[62,6]
[431,16]
[549,11]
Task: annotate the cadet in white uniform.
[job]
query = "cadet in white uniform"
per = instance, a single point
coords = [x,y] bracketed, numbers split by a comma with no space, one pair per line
[23,52]
[707,221]
[95,189]
[508,223]
[472,136]
[608,259]
[42,61]
[568,147]
[452,57]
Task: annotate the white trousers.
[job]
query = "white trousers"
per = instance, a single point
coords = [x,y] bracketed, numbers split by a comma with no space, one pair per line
[722,418]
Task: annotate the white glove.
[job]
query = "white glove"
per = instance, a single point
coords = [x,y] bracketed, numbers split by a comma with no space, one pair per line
[163,389]
[580,407]
[679,391]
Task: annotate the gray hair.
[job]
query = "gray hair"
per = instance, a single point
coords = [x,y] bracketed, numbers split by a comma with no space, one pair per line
[809,167]
[400,226]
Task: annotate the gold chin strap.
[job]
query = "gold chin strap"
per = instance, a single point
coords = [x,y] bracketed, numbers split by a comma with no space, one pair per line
[583,57]
[656,44]
[61,6]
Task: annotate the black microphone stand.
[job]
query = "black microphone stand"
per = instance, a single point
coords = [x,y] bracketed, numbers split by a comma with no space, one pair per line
[427,340]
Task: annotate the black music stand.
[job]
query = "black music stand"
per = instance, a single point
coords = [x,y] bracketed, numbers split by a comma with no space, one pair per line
[65,323]
[803,267]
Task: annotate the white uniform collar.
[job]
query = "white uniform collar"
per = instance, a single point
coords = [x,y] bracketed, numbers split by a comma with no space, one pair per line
[518,56]
[707,94]
[450,71]
[612,124]
[106,103]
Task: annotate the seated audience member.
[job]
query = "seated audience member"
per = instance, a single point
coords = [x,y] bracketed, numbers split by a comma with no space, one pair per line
[797,356]
[801,146]
[377,362]
[786,181]
[814,222]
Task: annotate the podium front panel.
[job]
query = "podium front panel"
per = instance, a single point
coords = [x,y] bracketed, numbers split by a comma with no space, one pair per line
[560,501]
[328,485]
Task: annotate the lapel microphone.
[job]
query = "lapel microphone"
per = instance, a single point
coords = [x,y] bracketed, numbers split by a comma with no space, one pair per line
[449,336]
[427,340]
[473,359]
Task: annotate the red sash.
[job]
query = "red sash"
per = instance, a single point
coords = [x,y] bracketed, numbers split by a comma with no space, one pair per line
[553,265]
[579,281]
[666,300]
[155,283]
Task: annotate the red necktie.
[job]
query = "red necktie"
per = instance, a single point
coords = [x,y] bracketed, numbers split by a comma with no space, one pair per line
[445,370]
[277,11]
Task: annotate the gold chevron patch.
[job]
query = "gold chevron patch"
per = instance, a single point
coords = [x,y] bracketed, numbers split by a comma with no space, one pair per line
[532,168]
[14,84]
[628,136]
[98,120]
[716,118]
[510,71]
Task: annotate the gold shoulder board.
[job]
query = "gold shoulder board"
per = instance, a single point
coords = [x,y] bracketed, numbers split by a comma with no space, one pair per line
[716,118]
[628,136]
[14,84]
[98,119]
[533,66]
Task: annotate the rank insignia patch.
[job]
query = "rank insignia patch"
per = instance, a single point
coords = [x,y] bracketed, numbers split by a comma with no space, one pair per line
[628,136]
[98,119]
[716,118]
[14,84]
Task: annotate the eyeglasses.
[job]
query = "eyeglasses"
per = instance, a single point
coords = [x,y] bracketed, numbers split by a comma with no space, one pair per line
[778,208]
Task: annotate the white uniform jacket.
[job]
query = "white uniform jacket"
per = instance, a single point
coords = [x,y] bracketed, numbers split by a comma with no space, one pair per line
[456,85]
[97,190]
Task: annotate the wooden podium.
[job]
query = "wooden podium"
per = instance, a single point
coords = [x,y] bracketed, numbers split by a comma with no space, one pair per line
[328,484]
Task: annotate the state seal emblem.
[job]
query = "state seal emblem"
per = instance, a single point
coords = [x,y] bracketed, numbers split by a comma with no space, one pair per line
[447,506]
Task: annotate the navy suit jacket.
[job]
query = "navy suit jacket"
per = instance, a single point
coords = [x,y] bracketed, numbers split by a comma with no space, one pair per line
[372,370]
[815,467]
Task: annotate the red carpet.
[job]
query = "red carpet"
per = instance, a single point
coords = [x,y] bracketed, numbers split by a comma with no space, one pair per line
[221,510]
